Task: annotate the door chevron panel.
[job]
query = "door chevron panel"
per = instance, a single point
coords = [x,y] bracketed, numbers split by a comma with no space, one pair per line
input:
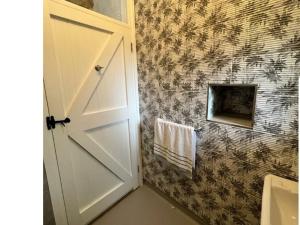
[111,89]
[87,168]
[99,199]
[120,148]
[112,196]
[101,155]
[88,86]
[75,58]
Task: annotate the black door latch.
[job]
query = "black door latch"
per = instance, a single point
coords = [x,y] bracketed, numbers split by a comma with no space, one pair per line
[50,121]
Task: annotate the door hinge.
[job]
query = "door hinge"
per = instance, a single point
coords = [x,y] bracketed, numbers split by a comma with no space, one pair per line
[131,47]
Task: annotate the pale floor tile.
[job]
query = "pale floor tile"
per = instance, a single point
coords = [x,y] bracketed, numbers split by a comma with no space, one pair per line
[144,207]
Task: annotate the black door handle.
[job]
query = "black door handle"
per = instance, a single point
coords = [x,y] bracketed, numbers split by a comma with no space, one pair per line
[50,121]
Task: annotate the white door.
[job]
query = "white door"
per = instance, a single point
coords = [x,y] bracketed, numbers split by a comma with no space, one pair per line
[89,77]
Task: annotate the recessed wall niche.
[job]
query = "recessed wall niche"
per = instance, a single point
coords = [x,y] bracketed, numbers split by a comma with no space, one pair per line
[232,104]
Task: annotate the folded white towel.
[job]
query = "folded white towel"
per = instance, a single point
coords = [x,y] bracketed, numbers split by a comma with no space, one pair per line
[176,143]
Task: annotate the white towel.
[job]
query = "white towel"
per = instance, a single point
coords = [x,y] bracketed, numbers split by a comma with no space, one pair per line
[176,143]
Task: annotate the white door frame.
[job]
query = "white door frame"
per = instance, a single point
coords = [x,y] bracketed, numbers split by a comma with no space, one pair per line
[52,171]
[50,159]
[131,22]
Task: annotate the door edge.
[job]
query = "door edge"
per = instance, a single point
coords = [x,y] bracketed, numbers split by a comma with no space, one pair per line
[52,171]
[138,149]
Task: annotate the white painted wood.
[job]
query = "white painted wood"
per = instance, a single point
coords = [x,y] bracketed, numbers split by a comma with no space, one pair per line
[51,167]
[90,17]
[136,139]
[102,138]
[97,152]
[115,97]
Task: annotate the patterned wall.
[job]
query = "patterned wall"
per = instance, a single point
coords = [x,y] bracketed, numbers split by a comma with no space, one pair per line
[183,45]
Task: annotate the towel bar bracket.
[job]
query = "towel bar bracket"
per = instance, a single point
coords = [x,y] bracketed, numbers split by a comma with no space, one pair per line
[198,130]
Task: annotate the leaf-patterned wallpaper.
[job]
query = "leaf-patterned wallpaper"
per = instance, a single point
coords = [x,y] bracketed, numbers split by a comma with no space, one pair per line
[182,45]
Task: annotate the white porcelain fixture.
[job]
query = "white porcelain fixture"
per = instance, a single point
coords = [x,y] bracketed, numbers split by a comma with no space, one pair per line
[279,201]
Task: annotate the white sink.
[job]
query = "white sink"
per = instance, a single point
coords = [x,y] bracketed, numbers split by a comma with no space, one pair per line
[279,201]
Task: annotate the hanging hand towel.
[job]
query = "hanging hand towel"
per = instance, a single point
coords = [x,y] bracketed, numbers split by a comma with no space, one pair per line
[176,143]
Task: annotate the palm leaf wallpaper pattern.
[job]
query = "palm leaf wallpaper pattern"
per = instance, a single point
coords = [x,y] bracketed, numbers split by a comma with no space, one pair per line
[182,45]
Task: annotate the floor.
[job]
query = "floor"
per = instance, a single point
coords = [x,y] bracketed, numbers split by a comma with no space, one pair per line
[144,207]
